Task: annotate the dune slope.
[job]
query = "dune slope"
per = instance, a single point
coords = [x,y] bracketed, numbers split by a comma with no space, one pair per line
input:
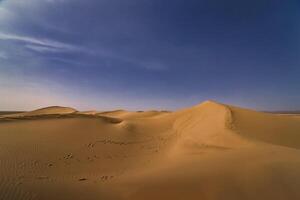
[210,152]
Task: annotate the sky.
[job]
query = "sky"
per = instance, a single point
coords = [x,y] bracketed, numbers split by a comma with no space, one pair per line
[149,54]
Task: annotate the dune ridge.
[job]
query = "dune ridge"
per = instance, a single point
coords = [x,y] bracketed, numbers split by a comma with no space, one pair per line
[57,112]
[210,151]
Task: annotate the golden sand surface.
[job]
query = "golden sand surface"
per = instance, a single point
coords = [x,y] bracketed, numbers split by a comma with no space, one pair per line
[210,151]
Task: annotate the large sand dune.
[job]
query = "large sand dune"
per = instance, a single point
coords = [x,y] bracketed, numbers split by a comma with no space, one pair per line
[207,152]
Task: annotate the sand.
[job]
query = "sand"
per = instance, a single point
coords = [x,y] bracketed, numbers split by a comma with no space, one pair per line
[210,151]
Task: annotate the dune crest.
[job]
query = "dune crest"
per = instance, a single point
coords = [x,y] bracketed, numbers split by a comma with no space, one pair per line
[207,124]
[53,110]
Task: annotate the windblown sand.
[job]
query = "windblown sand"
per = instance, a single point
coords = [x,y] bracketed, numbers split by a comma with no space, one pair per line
[207,152]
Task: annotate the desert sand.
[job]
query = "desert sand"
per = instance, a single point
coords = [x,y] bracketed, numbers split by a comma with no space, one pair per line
[210,151]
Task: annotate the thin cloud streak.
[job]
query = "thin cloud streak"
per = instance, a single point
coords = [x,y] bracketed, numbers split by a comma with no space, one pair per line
[42,45]
[42,42]
[43,49]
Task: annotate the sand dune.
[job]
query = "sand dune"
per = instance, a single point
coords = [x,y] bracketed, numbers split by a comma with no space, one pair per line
[53,110]
[210,152]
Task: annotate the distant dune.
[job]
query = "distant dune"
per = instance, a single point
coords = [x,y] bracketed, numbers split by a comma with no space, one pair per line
[210,151]
[51,111]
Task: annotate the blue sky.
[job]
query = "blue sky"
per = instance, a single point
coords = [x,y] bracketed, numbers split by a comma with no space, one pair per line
[149,54]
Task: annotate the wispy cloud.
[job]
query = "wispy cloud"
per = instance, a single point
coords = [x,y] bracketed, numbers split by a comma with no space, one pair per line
[48,45]
[43,49]
[43,43]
